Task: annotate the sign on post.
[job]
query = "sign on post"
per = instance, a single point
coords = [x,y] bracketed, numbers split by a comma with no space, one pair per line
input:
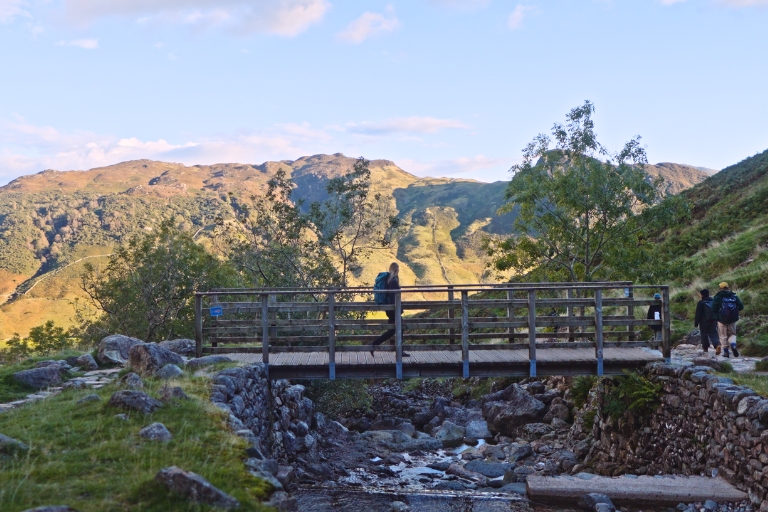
[217,310]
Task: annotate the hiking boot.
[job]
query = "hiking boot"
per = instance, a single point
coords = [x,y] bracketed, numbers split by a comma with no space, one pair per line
[735,352]
[406,354]
[373,348]
[726,355]
[717,350]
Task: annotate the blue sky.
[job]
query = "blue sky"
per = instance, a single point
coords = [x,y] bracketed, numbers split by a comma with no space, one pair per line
[442,87]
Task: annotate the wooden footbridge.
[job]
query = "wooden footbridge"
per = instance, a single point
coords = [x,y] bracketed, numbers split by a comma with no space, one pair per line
[440,331]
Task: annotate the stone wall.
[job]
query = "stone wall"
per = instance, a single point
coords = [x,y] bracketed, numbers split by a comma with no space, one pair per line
[703,425]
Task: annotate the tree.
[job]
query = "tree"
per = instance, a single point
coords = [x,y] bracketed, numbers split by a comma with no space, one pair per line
[147,288]
[584,214]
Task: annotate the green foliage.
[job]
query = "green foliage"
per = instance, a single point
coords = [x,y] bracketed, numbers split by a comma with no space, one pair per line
[42,340]
[726,367]
[589,419]
[756,382]
[631,392]
[760,366]
[339,398]
[146,290]
[580,389]
[584,214]
[84,456]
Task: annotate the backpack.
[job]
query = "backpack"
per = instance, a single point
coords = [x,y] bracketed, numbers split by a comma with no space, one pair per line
[707,312]
[381,284]
[729,311]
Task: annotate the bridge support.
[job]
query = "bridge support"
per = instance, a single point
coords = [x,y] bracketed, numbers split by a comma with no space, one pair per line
[599,331]
[331,336]
[398,337]
[465,334]
[532,331]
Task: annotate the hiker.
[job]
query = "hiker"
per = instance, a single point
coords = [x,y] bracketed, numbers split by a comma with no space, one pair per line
[387,281]
[725,308]
[706,323]
[654,313]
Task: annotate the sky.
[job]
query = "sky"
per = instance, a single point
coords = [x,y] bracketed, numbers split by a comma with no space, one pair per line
[451,88]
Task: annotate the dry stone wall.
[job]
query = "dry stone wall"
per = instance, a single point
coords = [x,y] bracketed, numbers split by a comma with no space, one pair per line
[703,425]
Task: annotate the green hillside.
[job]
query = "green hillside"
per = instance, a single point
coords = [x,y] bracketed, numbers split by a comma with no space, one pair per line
[726,240]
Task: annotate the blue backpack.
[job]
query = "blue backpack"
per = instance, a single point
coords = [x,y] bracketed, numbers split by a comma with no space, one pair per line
[729,311]
[381,284]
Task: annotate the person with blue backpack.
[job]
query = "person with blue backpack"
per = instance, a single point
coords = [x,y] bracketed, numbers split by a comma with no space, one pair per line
[386,281]
[725,308]
[707,324]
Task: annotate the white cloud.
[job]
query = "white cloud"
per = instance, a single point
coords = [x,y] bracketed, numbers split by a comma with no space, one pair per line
[515,20]
[462,4]
[88,44]
[281,17]
[671,2]
[743,3]
[414,124]
[370,24]
[27,148]
[477,167]
[10,9]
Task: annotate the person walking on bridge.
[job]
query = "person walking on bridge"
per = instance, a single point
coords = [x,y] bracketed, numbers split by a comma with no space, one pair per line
[707,324]
[654,313]
[387,281]
[725,308]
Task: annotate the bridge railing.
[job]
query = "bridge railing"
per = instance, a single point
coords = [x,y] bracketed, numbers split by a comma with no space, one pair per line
[441,317]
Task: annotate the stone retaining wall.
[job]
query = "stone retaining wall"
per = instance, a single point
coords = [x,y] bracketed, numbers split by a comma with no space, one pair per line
[704,423]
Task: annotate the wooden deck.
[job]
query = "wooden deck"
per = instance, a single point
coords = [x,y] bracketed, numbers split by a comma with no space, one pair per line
[448,363]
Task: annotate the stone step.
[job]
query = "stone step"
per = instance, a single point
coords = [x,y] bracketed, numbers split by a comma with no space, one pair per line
[633,490]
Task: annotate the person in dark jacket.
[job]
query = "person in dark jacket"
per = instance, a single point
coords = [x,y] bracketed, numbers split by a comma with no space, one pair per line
[707,324]
[725,308]
[654,313]
[393,283]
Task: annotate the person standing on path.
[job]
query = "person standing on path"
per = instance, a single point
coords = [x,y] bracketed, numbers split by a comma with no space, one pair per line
[706,323]
[725,308]
[392,283]
[654,313]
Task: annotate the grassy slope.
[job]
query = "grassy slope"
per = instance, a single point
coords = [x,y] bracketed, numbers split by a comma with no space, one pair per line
[727,240]
[83,456]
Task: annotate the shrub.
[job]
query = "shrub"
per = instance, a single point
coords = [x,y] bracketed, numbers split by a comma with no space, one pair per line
[42,340]
[631,392]
[337,398]
[761,366]
[580,389]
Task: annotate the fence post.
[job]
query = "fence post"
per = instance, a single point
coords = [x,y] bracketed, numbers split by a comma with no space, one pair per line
[532,331]
[569,314]
[631,313]
[398,337]
[331,336]
[215,320]
[666,334]
[451,315]
[599,331]
[510,315]
[465,333]
[265,332]
[198,325]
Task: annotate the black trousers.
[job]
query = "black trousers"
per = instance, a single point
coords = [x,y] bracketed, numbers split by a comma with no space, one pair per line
[709,335]
[386,334]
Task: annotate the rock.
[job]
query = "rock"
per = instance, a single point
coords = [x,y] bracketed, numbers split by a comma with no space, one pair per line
[510,408]
[281,500]
[148,358]
[398,506]
[515,487]
[170,371]
[194,364]
[521,452]
[62,364]
[39,378]
[450,434]
[182,346]
[478,429]
[449,485]
[172,393]
[135,400]
[123,417]
[557,411]
[194,488]
[10,446]
[114,349]
[74,384]
[407,428]
[156,432]
[711,506]
[536,430]
[89,398]
[605,507]
[460,471]
[589,501]
[132,381]
[52,508]
[87,362]
[71,360]
[489,469]
[285,475]
[706,361]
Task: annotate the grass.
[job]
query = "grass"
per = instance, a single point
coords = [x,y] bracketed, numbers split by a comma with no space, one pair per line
[758,383]
[83,456]
[10,389]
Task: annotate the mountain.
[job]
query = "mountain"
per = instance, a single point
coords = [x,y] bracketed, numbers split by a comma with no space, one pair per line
[677,177]
[52,222]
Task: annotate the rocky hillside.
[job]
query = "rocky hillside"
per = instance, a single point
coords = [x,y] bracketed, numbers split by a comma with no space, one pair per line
[52,222]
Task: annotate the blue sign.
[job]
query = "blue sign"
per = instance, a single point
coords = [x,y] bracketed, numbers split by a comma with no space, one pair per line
[217,311]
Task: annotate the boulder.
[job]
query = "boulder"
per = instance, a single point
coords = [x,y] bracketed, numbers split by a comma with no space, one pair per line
[511,408]
[173,393]
[520,452]
[450,434]
[147,359]
[89,398]
[557,410]
[114,349]
[132,381]
[282,501]
[170,371]
[182,346]
[136,401]
[62,364]
[591,500]
[87,362]
[10,446]
[156,432]
[194,364]
[536,430]
[478,429]
[194,488]
[39,378]
[489,469]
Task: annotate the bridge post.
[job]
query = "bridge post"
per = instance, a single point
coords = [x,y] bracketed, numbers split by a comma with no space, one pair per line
[631,313]
[398,337]
[532,331]
[331,336]
[666,333]
[451,315]
[265,332]
[510,315]
[569,314]
[465,333]
[599,331]
[198,325]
